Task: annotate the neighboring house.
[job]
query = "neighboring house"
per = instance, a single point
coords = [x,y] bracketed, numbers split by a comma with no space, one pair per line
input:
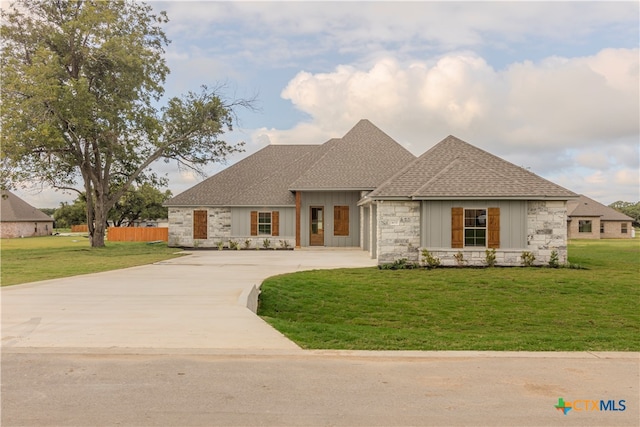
[365,190]
[588,219]
[20,219]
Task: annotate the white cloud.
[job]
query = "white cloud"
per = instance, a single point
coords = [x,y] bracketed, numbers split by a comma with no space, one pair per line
[558,101]
[558,114]
[285,29]
[592,159]
[302,133]
[628,177]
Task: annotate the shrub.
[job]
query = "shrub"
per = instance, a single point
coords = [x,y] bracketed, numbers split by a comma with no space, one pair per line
[430,260]
[233,245]
[247,243]
[490,257]
[459,257]
[266,243]
[554,260]
[284,244]
[399,264]
[527,258]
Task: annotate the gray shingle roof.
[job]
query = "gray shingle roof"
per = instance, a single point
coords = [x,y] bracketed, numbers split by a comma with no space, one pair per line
[14,209]
[362,159]
[258,180]
[585,206]
[456,169]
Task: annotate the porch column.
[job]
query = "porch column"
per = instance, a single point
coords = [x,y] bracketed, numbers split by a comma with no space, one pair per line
[298,207]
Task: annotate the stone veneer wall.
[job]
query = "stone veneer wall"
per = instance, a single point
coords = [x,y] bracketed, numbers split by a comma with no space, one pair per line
[547,230]
[398,231]
[399,235]
[218,229]
[181,227]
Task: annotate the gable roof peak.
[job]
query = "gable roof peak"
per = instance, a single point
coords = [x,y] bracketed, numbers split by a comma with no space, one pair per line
[454,168]
[362,159]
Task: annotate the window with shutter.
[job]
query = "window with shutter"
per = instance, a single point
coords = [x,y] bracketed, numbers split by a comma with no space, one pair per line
[341,220]
[199,224]
[475,227]
[265,223]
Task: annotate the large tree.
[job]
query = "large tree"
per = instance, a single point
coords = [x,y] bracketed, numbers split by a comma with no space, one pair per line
[69,214]
[139,203]
[81,81]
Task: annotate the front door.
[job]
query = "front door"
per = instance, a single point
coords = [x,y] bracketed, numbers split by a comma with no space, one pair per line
[316,236]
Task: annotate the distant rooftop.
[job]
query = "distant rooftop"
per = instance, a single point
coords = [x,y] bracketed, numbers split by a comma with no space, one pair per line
[14,209]
[584,206]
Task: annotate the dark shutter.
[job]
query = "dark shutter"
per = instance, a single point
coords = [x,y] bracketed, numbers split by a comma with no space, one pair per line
[254,223]
[199,224]
[275,223]
[341,220]
[457,227]
[494,228]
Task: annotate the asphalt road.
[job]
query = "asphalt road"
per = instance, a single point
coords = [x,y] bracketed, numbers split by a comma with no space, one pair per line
[42,388]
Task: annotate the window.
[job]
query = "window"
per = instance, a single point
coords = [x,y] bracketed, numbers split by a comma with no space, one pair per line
[601,227]
[264,223]
[584,226]
[623,228]
[341,220]
[475,227]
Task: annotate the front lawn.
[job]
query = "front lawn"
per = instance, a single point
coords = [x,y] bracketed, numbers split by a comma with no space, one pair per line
[40,258]
[533,309]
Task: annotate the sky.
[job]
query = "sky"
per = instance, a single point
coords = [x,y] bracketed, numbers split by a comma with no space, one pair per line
[550,86]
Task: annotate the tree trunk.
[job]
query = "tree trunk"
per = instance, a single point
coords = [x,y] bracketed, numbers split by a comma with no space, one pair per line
[99,225]
[99,233]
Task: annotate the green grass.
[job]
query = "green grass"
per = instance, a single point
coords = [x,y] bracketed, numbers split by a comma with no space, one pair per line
[533,309]
[40,258]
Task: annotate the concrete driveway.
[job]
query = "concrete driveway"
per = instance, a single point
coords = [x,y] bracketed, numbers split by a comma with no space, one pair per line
[194,302]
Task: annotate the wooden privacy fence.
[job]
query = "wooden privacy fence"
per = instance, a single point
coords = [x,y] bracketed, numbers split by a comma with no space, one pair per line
[82,228]
[137,234]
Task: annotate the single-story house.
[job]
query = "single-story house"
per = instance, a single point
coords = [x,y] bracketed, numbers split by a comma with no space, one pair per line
[365,190]
[588,219]
[19,219]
